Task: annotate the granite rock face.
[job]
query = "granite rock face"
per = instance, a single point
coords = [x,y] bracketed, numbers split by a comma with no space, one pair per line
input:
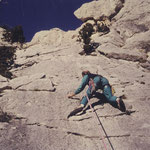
[128,38]
[55,37]
[97,9]
[35,105]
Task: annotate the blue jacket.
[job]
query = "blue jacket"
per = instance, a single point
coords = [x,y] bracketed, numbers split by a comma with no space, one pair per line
[99,82]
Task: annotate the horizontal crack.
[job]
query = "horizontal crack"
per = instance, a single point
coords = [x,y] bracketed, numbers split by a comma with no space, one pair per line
[84,118]
[119,136]
[39,124]
[92,137]
[19,118]
[124,56]
[101,116]
[52,51]
[37,90]
[38,54]
[142,136]
[120,114]
[77,133]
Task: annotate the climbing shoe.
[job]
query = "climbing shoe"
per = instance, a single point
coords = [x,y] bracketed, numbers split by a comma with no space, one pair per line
[75,111]
[128,112]
[121,105]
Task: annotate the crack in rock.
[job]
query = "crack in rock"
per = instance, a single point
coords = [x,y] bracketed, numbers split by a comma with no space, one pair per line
[19,118]
[5,88]
[119,114]
[38,54]
[77,133]
[79,118]
[39,124]
[53,51]
[125,56]
[38,90]
[92,137]
[22,85]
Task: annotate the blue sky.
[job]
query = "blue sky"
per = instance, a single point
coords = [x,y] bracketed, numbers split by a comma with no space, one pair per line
[37,15]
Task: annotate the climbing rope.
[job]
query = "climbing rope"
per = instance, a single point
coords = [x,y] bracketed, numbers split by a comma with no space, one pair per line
[99,121]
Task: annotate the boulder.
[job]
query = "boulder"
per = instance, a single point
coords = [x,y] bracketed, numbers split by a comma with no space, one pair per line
[38,85]
[53,37]
[97,9]
[25,80]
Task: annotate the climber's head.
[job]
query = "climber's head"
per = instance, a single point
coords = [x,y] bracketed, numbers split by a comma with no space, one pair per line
[85,73]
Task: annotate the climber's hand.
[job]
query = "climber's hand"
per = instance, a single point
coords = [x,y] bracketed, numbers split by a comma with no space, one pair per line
[71,95]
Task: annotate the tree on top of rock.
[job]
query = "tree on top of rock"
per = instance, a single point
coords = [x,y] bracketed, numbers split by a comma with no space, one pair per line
[14,34]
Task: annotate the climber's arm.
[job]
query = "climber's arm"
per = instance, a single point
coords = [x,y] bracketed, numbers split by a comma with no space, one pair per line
[84,82]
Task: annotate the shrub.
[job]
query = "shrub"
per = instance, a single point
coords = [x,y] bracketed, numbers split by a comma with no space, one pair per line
[85,34]
[7,56]
[14,34]
[4,116]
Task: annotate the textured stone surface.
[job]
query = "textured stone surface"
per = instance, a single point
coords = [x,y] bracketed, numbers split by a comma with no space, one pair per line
[97,9]
[129,35]
[39,113]
[3,79]
[55,37]
[36,82]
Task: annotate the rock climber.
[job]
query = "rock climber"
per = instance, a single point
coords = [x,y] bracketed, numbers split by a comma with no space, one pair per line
[95,82]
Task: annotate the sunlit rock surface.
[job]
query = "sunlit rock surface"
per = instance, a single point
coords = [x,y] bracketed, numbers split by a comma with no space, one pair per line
[49,67]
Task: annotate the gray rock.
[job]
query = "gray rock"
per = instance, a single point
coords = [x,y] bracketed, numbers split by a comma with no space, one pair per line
[97,9]
[40,111]
[38,85]
[3,79]
[24,80]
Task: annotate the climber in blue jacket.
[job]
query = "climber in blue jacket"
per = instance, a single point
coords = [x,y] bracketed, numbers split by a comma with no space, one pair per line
[95,82]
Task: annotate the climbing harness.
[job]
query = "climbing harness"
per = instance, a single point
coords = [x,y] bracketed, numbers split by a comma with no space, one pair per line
[99,121]
[92,85]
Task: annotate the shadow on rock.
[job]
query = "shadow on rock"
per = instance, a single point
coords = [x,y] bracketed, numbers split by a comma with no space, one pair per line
[102,100]
[4,117]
